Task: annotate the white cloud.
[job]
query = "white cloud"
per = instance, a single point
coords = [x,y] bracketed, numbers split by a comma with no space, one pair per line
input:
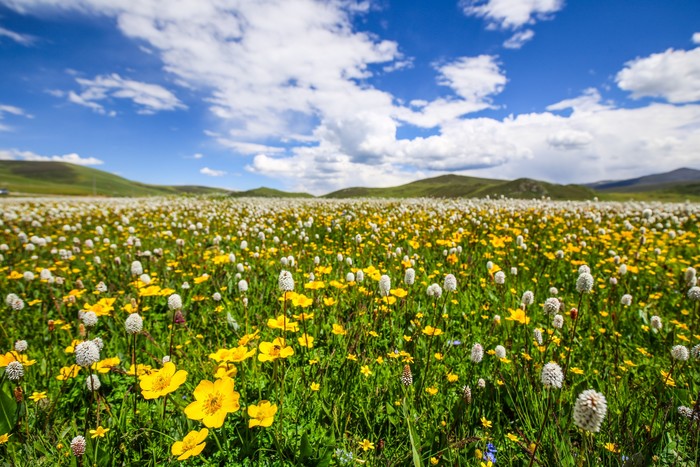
[673,75]
[198,156]
[12,110]
[589,101]
[569,139]
[696,38]
[24,39]
[511,14]
[518,39]
[72,158]
[212,172]
[149,98]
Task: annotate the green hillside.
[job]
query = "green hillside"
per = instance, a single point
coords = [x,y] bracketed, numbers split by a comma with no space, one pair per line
[61,178]
[264,192]
[458,186]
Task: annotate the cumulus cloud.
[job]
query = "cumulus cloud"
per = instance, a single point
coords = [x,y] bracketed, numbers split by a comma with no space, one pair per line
[519,39]
[72,158]
[212,172]
[511,14]
[673,75]
[23,39]
[149,98]
[696,38]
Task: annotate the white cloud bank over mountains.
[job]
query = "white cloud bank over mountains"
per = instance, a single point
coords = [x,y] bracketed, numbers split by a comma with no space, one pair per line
[16,155]
[289,83]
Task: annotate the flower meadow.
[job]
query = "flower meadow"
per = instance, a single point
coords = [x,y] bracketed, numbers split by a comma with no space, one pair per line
[211,331]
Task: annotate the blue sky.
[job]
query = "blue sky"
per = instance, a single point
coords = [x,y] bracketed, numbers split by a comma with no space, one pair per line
[321,95]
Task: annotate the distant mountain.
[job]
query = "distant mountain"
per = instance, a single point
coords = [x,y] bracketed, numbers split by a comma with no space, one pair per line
[459,186]
[650,182]
[264,192]
[62,178]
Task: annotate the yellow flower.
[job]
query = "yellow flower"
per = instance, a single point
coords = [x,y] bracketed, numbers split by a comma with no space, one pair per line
[302,301]
[576,370]
[306,341]
[434,461]
[162,382]
[104,366]
[330,301]
[213,401]
[365,370]
[4,438]
[431,390]
[431,331]
[68,372]
[339,330]
[191,445]
[486,423]
[512,437]
[399,293]
[315,386]
[366,445]
[270,351]
[248,337]
[99,432]
[451,377]
[262,414]
[37,396]
[518,315]
[611,447]
[284,323]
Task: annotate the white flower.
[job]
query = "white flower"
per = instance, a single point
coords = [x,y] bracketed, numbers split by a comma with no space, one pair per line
[409,276]
[242,286]
[450,283]
[500,351]
[528,298]
[477,353]
[434,290]
[285,281]
[694,293]
[584,283]
[21,345]
[93,383]
[175,302]
[134,323]
[656,323]
[552,305]
[216,296]
[558,321]
[590,410]
[384,285]
[499,277]
[14,370]
[552,376]
[87,353]
[626,299]
[89,319]
[680,352]
[136,268]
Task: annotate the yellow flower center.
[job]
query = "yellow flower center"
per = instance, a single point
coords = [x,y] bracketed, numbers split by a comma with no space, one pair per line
[275,352]
[160,382]
[213,403]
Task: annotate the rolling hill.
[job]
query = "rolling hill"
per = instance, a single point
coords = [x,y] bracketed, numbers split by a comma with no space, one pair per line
[458,186]
[676,185]
[264,192]
[62,178]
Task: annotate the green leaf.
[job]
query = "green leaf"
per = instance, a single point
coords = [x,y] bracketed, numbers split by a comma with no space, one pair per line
[8,412]
[413,436]
[305,450]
